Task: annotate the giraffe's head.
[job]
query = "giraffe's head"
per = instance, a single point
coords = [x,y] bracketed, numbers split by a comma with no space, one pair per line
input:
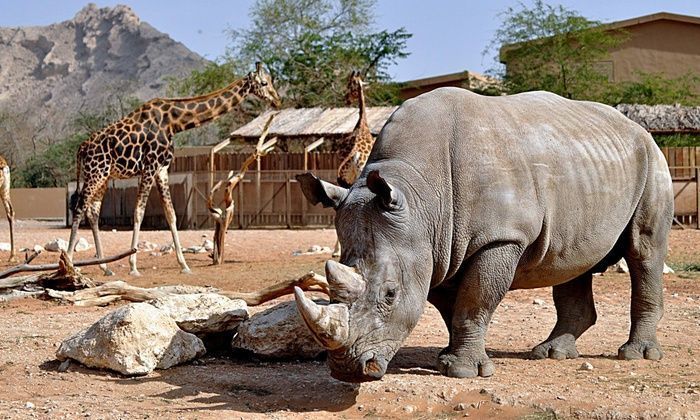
[260,84]
[354,87]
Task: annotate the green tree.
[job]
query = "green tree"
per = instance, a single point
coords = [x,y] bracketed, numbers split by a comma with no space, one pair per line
[552,48]
[654,89]
[310,47]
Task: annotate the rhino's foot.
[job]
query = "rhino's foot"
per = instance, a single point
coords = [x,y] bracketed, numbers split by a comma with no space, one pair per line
[559,348]
[633,350]
[465,366]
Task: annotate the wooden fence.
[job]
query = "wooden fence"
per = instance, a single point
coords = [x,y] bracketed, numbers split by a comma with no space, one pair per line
[272,197]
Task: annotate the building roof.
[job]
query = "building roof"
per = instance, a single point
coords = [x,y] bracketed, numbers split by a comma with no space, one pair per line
[620,24]
[653,17]
[314,122]
[664,118]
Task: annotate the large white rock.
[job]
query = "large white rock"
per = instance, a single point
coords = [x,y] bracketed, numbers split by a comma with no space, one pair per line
[81,245]
[622,267]
[133,340]
[5,246]
[56,245]
[278,332]
[203,313]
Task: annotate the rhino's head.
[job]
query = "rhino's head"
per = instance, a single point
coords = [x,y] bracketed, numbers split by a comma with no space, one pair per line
[377,292]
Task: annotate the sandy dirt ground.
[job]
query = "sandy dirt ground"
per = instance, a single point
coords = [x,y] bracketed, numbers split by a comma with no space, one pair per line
[223,386]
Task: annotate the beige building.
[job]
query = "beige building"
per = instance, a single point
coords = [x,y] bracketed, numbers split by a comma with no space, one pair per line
[663,42]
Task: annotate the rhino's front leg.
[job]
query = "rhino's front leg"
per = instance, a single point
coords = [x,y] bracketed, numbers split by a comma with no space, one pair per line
[486,280]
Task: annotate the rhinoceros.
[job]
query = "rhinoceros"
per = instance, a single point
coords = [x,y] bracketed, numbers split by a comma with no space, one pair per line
[465,197]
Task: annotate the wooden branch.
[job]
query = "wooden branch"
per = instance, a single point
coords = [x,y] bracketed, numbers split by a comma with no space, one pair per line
[311,282]
[24,267]
[13,282]
[119,290]
[223,217]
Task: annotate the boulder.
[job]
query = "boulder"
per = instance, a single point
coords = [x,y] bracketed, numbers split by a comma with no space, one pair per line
[81,245]
[622,267]
[56,245]
[5,246]
[277,333]
[203,313]
[133,340]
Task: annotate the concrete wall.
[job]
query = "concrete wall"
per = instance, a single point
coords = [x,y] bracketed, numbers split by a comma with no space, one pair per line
[38,203]
[662,46]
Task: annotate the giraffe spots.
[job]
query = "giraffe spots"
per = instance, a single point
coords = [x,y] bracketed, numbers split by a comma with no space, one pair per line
[201,108]
[227,95]
[136,127]
[213,102]
[191,106]
[176,113]
[191,124]
[165,108]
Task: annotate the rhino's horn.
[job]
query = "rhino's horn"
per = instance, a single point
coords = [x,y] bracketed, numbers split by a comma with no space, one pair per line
[345,283]
[328,323]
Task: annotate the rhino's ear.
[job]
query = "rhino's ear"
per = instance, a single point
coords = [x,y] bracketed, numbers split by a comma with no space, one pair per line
[317,191]
[390,197]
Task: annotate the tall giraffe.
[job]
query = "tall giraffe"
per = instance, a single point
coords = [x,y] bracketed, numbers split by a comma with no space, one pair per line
[356,147]
[5,197]
[140,144]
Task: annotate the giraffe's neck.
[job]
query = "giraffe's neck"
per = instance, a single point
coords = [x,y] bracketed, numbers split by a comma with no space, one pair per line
[362,120]
[186,113]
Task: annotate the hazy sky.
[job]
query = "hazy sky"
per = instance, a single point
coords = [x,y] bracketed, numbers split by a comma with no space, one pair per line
[448,35]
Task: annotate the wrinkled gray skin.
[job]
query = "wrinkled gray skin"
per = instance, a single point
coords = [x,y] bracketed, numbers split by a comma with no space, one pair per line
[466,197]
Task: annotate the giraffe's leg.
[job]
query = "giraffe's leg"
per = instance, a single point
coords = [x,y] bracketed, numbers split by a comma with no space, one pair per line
[166,200]
[9,211]
[85,198]
[93,216]
[142,198]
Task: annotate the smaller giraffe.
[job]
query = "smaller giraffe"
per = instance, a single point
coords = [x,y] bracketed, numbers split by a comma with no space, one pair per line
[356,147]
[5,197]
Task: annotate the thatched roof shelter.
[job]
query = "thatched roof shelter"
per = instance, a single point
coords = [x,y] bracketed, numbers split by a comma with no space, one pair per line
[664,119]
[313,122]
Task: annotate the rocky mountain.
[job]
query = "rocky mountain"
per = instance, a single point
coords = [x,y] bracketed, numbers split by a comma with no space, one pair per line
[50,74]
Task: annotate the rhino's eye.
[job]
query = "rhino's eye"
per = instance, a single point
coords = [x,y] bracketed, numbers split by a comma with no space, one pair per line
[390,295]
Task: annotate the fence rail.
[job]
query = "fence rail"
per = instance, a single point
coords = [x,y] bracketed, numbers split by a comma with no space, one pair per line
[272,197]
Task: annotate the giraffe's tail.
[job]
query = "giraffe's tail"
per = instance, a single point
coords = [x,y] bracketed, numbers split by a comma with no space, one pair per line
[74,198]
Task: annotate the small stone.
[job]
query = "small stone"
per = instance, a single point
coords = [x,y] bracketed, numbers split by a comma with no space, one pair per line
[560,397]
[538,302]
[585,366]
[29,405]
[114,231]
[460,407]
[631,387]
[64,365]
[409,409]
[360,407]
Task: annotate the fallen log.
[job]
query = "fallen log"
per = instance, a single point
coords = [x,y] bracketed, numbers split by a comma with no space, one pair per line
[311,282]
[25,267]
[119,290]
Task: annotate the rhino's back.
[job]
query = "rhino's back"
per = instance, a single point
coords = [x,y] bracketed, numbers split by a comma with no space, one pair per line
[562,177]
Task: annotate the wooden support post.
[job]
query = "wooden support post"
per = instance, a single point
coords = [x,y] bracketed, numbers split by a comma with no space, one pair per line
[288,202]
[697,197]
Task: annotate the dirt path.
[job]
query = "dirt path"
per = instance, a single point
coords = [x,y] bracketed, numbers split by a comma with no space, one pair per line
[221,386]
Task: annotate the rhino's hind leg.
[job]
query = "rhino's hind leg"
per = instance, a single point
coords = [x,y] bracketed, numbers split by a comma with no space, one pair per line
[486,280]
[646,250]
[647,306]
[575,314]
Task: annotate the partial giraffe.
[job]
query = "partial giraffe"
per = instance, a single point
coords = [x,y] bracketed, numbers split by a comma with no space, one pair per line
[140,144]
[356,147]
[5,197]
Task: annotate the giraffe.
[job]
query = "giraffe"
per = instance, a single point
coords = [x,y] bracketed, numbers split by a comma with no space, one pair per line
[356,147]
[140,145]
[5,197]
